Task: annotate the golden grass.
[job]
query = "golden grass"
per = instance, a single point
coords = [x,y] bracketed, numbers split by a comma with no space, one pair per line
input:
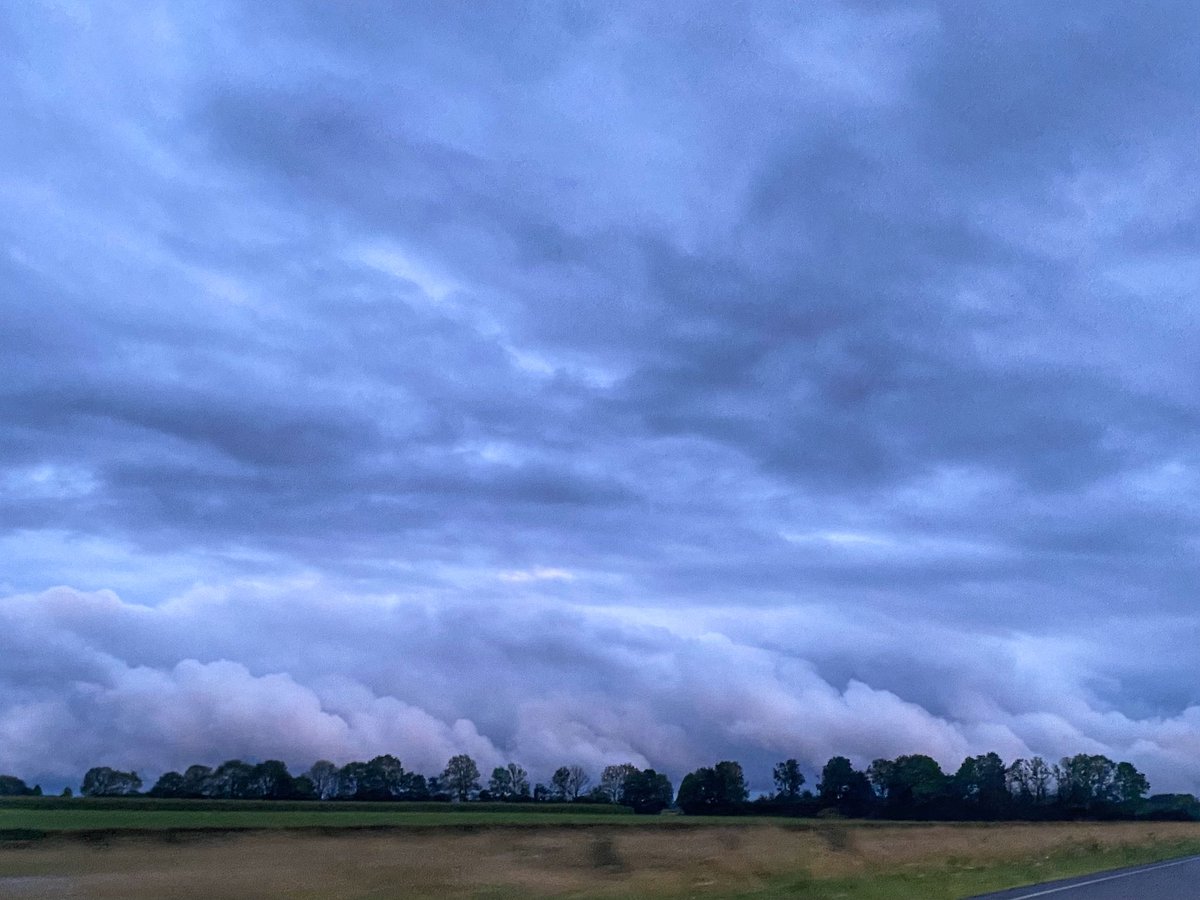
[829,859]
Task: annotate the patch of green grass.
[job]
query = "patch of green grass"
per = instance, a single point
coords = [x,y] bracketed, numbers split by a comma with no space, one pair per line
[471,854]
[60,820]
[159,804]
[61,814]
[95,814]
[953,879]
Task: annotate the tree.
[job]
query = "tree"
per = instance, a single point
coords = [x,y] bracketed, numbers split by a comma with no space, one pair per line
[912,786]
[11,786]
[881,773]
[719,790]
[1085,782]
[381,778]
[101,781]
[350,777]
[568,782]
[732,782]
[324,778]
[1029,787]
[500,784]
[461,777]
[1094,783]
[197,782]
[1040,774]
[612,780]
[436,789]
[788,779]
[917,787]
[519,780]
[1129,785]
[169,784]
[509,782]
[577,781]
[230,779]
[1020,787]
[1029,782]
[558,782]
[646,792]
[270,780]
[981,786]
[844,788]
[304,789]
[415,787]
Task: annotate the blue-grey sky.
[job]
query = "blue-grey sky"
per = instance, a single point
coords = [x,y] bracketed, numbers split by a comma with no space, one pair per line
[590,382]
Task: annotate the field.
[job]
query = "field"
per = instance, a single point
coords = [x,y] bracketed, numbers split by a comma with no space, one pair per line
[200,849]
[20,817]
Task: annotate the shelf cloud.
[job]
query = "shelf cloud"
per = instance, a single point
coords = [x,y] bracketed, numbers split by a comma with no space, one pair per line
[593,383]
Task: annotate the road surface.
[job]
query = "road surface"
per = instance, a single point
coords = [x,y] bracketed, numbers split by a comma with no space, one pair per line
[1175,879]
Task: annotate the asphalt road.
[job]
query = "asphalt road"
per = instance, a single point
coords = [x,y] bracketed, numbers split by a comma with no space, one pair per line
[1176,879]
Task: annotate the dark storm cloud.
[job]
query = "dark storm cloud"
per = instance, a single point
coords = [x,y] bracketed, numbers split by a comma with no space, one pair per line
[797,321]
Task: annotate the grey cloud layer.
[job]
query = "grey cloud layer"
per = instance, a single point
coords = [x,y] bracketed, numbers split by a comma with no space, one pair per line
[858,313]
[348,677]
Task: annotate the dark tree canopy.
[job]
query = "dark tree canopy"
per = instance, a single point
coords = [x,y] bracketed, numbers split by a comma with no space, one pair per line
[980,787]
[568,782]
[646,792]
[844,788]
[1028,782]
[788,779]
[719,790]
[1091,784]
[102,781]
[461,777]
[11,786]
[509,782]
[270,780]
[912,786]
[324,778]
[169,784]
[612,780]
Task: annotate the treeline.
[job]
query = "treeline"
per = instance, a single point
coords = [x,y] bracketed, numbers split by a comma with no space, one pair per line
[915,787]
[907,787]
[385,778]
[11,786]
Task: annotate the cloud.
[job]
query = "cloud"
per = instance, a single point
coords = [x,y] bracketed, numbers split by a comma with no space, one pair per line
[566,344]
[192,680]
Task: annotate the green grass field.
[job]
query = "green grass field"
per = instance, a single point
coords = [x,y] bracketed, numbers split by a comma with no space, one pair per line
[153,803]
[140,849]
[57,814]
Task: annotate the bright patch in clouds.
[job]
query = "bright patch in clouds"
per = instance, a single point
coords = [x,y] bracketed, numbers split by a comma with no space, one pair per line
[837,538]
[524,576]
[394,261]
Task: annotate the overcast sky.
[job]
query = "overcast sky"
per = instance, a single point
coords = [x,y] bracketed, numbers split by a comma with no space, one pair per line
[589,383]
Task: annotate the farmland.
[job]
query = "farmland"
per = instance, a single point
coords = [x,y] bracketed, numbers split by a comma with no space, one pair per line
[141,849]
[53,815]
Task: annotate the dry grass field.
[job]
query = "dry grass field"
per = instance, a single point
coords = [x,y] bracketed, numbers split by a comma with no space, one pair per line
[827,859]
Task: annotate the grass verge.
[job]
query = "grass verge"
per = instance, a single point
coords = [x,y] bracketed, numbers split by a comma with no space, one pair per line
[953,879]
[667,858]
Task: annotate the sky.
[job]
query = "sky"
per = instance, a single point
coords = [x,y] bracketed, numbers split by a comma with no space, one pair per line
[592,382]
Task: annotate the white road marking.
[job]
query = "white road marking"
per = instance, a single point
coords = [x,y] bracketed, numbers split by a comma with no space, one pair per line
[1071,887]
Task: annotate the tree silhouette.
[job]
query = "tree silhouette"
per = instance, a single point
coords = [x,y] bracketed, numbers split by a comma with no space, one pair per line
[461,777]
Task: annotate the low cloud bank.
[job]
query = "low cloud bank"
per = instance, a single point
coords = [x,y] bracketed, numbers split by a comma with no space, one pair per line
[89,679]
